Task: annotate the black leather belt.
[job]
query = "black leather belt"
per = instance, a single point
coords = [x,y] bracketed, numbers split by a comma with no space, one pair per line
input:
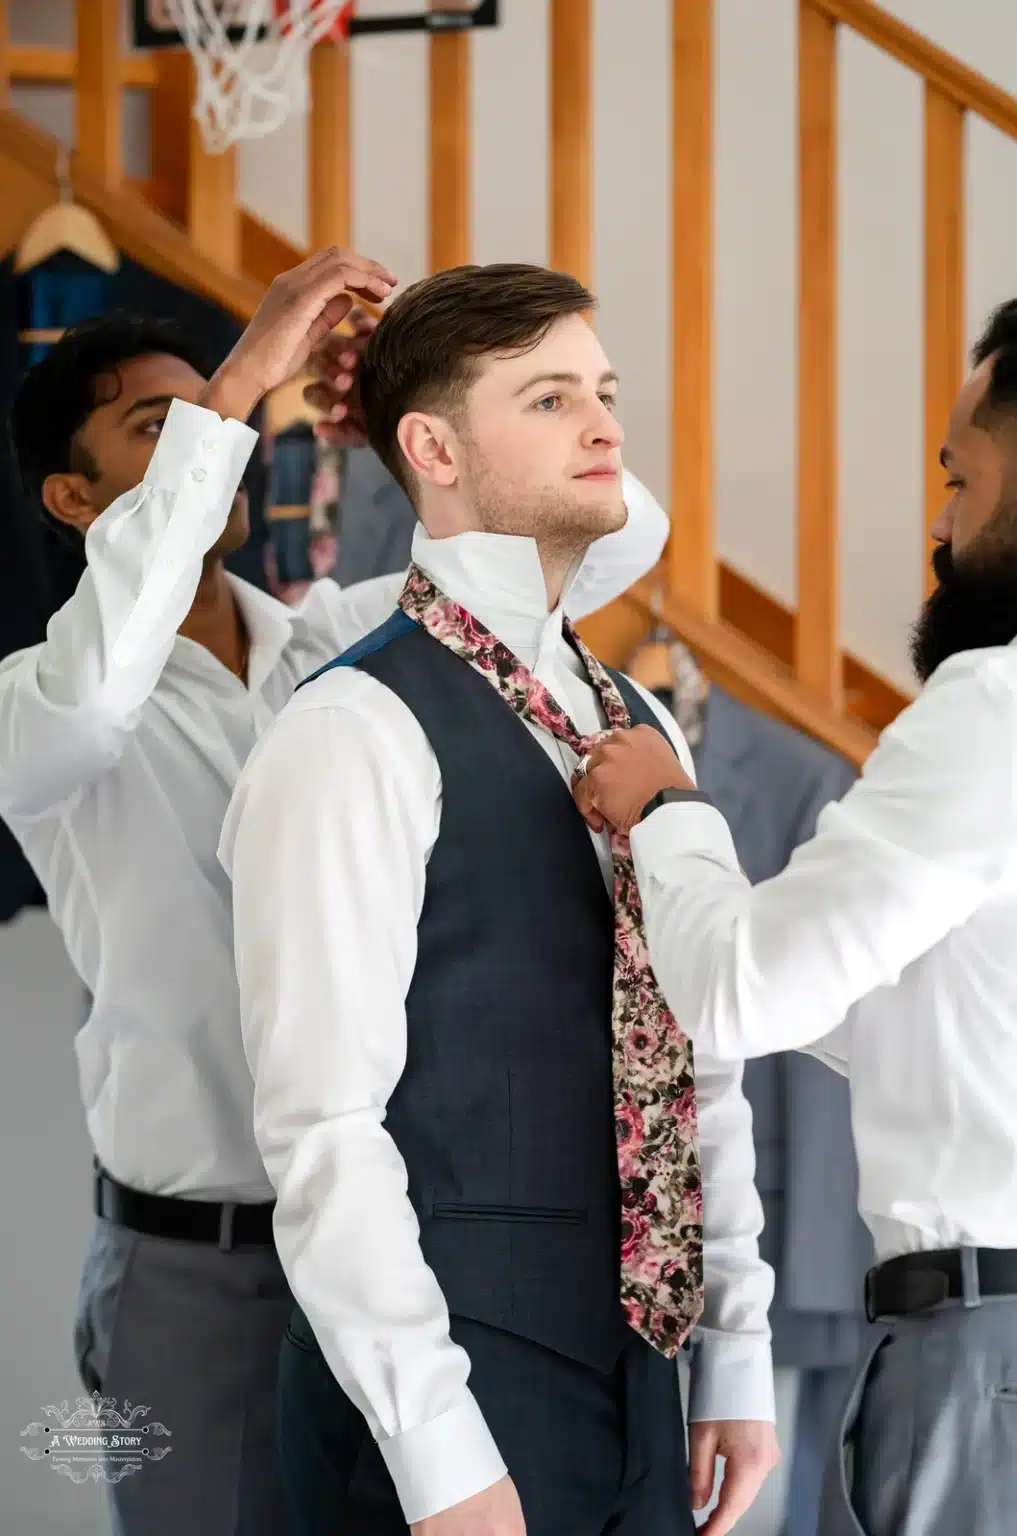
[916,1282]
[228,1225]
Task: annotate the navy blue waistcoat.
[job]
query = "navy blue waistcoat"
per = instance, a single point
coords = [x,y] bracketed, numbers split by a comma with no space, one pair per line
[504,1114]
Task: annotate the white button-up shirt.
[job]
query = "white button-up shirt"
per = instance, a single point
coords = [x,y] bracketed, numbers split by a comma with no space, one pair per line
[120,745]
[328,839]
[892,935]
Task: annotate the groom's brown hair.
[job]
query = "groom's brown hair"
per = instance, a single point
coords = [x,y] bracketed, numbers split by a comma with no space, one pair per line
[424,353]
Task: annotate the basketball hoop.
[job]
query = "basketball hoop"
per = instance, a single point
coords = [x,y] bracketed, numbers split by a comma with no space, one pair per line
[251,60]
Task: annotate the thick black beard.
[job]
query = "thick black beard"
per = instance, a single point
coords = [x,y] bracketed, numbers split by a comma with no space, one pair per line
[973,607]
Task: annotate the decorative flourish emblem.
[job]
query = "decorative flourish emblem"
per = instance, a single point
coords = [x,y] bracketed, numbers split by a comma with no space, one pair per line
[95,1441]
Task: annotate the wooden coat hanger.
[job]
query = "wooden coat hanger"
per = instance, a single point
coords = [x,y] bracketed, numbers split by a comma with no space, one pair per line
[66,226]
[651,664]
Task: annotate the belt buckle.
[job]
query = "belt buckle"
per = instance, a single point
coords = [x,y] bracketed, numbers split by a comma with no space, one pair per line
[227,1215]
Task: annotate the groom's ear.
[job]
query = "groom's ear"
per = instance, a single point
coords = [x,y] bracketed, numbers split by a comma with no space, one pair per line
[428,444]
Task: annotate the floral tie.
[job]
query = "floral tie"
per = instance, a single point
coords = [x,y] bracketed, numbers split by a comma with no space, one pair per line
[654,1087]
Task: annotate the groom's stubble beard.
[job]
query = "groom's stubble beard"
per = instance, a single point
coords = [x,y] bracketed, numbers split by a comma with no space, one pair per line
[563,526]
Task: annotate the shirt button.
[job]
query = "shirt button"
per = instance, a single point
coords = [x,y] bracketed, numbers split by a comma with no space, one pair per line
[198,474]
[210,445]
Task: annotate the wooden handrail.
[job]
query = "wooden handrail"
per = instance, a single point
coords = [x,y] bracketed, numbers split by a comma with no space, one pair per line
[138,230]
[38,64]
[965,87]
[753,675]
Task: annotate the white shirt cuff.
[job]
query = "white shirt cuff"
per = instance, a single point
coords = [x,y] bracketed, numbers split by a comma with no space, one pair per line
[686,827]
[198,464]
[217,447]
[731,1378]
[441,1463]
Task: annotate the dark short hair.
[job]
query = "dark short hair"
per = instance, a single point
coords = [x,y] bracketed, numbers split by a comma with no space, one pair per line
[58,395]
[423,354]
[998,406]
[1000,333]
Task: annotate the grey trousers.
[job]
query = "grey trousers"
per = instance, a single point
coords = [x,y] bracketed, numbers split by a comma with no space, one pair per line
[928,1445]
[194,1334]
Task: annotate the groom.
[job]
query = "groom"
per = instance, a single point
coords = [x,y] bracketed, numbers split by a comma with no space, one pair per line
[504,1201]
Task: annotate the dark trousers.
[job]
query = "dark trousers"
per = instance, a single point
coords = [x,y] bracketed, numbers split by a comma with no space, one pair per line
[590,1455]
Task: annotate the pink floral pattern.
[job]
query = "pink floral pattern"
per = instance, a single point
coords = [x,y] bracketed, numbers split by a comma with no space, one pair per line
[654,1084]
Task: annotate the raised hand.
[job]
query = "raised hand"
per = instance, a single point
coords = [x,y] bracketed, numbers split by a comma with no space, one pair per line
[301,309]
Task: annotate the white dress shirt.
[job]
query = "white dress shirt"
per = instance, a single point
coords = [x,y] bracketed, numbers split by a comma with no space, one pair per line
[889,940]
[120,745]
[327,840]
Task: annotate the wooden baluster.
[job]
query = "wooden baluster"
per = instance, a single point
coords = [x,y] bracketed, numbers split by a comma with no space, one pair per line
[571,139]
[213,215]
[170,131]
[329,146]
[692,562]
[450,143]
[5,57]
[99,104]
[944,284]
[817,639]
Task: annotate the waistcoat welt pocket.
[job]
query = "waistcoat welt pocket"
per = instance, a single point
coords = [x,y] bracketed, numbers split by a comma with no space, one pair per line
[456,1210]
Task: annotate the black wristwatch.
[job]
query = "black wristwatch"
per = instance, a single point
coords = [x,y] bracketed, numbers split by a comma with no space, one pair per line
[671,797]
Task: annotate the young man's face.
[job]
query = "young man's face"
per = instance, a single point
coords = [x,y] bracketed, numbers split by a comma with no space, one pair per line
[119,438]
[536,449]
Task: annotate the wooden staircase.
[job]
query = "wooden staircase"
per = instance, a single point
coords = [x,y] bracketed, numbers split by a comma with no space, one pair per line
[185,223]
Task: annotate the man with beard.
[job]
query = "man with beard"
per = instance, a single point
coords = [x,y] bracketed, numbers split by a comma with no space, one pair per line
[490,1156]
[887,947]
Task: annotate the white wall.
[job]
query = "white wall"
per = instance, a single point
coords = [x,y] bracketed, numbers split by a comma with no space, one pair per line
[880,247]
[45,1219]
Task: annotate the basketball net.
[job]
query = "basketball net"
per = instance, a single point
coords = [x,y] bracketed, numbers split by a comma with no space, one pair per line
[247,85]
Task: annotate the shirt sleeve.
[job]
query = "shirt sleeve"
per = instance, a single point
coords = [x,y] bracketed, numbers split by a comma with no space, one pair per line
[347,614]
[732,1363]
[918,844]
[615,562]
[327,842]
[67,706]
